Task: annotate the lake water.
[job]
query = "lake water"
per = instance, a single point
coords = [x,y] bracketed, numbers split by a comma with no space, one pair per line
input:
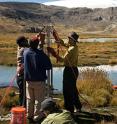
[98,39]
[7,74]
[94,40]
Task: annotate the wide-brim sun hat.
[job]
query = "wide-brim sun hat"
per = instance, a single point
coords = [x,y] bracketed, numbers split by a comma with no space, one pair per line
[74,36]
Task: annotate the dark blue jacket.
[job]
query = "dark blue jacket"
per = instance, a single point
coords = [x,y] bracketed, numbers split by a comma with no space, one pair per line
[36,62]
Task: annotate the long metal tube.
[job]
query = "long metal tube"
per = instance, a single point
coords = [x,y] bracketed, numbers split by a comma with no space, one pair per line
[49,72]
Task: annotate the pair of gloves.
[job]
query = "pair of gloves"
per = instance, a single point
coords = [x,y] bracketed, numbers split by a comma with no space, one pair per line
[41,37]
[57,40]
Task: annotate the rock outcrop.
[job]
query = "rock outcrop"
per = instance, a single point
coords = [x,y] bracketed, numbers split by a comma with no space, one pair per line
[31,14]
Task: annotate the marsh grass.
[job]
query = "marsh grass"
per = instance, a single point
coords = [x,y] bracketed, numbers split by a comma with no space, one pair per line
[114,98]
[8,47]
[96,86]
[112,61]
[90,53]
[97,53]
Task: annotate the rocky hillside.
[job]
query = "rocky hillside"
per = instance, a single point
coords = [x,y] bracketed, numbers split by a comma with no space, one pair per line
[28,17]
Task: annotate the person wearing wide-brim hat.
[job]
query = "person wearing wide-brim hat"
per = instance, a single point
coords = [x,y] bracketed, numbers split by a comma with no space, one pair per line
[70,73]
[73,36]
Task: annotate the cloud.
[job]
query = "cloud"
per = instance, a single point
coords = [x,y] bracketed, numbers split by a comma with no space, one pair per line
[84,3]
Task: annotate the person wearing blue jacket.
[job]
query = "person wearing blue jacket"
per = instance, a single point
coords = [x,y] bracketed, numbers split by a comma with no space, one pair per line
[36,62]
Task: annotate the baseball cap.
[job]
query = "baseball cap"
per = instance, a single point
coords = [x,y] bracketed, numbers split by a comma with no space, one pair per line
[48,104]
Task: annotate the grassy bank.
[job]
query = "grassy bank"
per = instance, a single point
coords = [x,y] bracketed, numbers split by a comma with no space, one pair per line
[94,53]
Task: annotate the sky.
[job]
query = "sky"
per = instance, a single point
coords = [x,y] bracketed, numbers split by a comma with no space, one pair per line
[75,3]
[84,3]
[36,1]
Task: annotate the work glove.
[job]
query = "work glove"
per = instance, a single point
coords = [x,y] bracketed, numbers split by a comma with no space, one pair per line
[55,35]
[41,37]
[52,51]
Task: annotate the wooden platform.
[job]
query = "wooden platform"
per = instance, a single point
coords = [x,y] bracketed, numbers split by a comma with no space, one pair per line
[97,115]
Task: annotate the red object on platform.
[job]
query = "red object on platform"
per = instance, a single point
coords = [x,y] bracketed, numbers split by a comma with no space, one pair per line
[18,115]
[114,86]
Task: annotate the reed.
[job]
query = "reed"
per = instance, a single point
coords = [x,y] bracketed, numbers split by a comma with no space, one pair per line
[8,99]
[95,84]
[114,99]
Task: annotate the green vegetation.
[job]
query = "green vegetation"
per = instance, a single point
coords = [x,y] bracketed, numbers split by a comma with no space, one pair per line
[8,48]
[97,53]
[8,99]
[114,98]
[96,87]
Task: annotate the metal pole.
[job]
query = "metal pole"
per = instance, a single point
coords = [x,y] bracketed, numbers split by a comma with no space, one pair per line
[49,72]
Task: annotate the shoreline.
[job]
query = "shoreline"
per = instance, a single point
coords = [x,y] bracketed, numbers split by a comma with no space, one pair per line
[8,87]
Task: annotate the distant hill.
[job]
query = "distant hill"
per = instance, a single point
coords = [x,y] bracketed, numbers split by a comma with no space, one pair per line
[28,17]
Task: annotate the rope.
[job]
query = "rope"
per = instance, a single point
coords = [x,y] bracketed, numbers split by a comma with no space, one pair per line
[59,46]
[76,77]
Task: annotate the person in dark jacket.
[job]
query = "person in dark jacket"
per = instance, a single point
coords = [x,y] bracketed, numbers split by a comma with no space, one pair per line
[36,62]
